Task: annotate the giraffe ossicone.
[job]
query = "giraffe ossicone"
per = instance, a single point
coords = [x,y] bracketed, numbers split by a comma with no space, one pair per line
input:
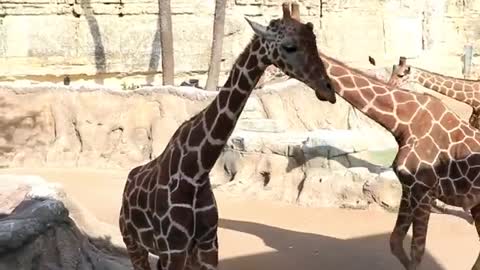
[168,206]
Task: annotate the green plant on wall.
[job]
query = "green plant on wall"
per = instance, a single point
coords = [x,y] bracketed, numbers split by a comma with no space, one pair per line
[132,86]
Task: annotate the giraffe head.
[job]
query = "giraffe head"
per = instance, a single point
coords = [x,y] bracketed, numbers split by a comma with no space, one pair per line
[401,73]
[291,46]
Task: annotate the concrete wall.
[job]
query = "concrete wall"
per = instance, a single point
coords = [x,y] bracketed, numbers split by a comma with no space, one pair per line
[42,39]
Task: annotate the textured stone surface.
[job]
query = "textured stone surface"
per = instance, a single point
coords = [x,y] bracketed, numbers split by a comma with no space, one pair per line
[287,145]
[287,139]
[41,232]
[307,168]
[59,126]
[121,38]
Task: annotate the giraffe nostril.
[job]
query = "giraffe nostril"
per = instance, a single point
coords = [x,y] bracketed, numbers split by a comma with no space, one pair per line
[329,86]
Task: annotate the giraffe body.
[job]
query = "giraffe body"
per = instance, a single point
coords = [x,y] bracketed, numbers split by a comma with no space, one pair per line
[168,206]
[438,156]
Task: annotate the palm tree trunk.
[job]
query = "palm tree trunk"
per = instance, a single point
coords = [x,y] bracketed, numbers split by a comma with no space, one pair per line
[166,39]
[217,44]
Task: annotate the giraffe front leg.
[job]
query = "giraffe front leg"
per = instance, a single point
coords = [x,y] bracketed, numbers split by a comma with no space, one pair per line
[138,255]
[172,261]
[206,255]
[421,217]
[476,216]
[404,220]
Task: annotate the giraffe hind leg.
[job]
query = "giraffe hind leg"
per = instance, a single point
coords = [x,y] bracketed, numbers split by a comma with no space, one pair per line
[421,217]
[402,225]
[476,216]
[440,208]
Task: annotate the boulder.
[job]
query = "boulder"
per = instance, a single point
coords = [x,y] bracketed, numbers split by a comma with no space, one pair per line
[384,191]
[37,231]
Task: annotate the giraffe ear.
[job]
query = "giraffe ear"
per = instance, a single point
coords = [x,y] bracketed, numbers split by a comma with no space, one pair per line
[408,70]
[260,30]
[286,10]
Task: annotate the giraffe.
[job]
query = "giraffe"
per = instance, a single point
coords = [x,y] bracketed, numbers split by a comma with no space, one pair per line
[438,156]
[463,90]
[168,206]
[398,79]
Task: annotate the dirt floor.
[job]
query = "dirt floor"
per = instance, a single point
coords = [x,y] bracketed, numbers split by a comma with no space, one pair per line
[270,235]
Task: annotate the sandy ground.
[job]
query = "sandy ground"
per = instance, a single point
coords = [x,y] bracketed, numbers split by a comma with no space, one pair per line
[270,235]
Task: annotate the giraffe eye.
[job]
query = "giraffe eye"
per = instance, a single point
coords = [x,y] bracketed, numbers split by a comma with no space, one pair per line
[289,48]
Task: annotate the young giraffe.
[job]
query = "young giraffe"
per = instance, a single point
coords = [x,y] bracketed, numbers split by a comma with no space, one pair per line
[463,90]
[168,206]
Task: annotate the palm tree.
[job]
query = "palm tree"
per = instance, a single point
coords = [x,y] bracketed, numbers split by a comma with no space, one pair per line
[166,39]
[217,42]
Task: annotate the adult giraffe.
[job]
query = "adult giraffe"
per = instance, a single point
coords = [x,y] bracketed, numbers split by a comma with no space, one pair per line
[438,156]
[401,75]
[168,206]
[463,90]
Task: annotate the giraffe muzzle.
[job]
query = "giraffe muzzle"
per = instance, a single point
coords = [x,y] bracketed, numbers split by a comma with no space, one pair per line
[327,94]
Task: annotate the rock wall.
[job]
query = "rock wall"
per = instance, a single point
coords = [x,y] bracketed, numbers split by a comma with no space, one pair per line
[287,145]
[44,40]
[60,126]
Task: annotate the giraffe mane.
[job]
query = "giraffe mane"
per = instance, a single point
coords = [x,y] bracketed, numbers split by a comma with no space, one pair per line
[376,80]
[445,76]
[358,71]
[246,51]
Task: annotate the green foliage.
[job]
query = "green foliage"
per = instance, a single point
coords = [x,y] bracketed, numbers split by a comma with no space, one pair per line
[132,86]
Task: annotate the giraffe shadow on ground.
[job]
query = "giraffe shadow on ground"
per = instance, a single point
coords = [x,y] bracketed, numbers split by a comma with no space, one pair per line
[308,251]
[335,154]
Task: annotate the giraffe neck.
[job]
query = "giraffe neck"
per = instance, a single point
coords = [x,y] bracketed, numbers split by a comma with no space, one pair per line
[460,89]
[204,136]
[232,97]
[371,96]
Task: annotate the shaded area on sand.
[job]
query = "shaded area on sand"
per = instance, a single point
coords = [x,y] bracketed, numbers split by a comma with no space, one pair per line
[270,235]
[309,251]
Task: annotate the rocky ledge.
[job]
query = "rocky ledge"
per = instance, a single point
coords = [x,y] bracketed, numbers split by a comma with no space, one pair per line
[323,168]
